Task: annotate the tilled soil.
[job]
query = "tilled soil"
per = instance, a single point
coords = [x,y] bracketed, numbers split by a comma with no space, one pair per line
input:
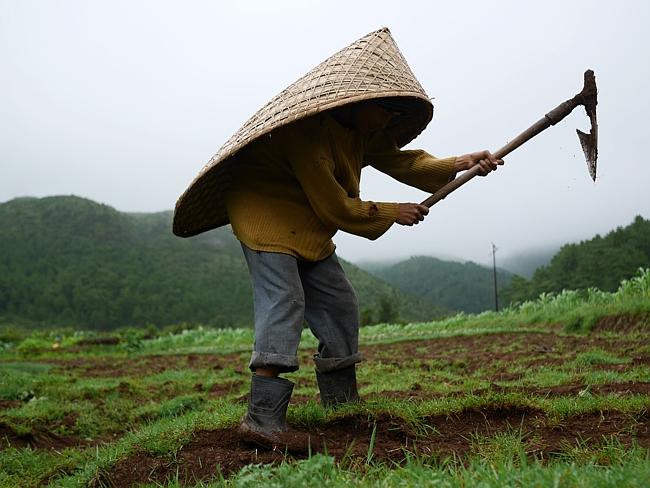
[41,437]
[349,440]
[7,404]
[621,389]
[475,352]
[45,437]
[470,352]
[489,352]
[623,324]
[95,367]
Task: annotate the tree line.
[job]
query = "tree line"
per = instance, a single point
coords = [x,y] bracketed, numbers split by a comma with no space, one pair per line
[601,262]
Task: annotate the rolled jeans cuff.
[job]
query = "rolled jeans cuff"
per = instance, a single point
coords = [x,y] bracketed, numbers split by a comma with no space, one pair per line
[282,362]
[326,365]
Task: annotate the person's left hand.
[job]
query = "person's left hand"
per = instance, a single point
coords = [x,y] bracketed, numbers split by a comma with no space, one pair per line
[485,159]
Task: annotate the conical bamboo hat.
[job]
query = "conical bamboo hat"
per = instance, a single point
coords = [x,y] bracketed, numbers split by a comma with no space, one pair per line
[371,68]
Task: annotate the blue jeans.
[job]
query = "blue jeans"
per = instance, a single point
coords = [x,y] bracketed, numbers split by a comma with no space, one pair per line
[288,292]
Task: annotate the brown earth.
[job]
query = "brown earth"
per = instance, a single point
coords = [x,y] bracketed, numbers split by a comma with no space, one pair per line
[142,366]
[7,404]
[39,437]
[467,352]
[222,389]
[471,353]
[622,389]
[46,437]
[52,436]
[348,440]
[625,323]
[489,352]
[640,388]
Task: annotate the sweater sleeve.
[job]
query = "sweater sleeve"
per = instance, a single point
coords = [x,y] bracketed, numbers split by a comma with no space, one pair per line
[315,171]
[416,168]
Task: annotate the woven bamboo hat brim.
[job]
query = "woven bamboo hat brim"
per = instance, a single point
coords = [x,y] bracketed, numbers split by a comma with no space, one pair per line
[371,68]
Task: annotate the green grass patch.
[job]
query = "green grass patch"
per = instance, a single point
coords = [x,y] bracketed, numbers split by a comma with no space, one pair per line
[27,467]
[18,380]
[633,470]
[599,357]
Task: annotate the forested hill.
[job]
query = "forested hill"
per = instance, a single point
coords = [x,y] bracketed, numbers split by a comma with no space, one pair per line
[601,262]
[466,287]
[71,261]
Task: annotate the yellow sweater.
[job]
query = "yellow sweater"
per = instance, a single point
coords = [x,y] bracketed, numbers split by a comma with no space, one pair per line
[292,190]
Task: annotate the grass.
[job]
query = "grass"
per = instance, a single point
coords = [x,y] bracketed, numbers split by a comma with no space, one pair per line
[599,357]
[624,469]
[110,402]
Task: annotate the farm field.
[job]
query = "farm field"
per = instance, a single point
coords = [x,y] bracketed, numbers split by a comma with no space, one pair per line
[554,392]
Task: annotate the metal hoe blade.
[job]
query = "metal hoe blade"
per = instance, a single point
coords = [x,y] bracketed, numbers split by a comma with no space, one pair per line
[589,141]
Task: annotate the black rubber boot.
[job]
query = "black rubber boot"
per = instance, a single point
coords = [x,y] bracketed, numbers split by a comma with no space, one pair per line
[265,423]
[337,387]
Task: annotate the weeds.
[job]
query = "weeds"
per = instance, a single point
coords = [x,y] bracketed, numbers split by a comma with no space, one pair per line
[498,365]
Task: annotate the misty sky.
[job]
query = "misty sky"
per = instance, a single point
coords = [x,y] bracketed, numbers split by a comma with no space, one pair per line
[124,101]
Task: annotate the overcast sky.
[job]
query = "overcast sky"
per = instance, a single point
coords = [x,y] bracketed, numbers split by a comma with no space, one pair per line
[124,101]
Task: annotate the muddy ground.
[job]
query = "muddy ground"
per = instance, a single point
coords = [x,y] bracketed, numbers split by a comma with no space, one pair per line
[348,439]
[471,352]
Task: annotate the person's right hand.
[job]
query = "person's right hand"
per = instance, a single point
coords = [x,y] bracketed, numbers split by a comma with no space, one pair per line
[411,213]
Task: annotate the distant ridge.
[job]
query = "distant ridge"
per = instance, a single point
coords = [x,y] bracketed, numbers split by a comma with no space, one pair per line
[466,287]
[70,261]
[601,262]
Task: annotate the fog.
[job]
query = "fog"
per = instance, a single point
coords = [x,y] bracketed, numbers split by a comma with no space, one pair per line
[124,102]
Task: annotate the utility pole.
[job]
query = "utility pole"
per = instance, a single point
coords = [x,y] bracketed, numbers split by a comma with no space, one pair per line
[494,274]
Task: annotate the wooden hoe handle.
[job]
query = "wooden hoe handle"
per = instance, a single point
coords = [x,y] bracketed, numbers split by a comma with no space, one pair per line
[551,118]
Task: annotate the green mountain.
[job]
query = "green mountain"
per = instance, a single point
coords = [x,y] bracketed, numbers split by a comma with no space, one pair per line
[466,287]
[72,261]
[601,262]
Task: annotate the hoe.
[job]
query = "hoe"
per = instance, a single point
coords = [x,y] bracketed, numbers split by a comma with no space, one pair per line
[587,98]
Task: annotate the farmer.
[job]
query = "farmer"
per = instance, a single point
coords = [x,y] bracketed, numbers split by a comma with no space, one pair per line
[286,189]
